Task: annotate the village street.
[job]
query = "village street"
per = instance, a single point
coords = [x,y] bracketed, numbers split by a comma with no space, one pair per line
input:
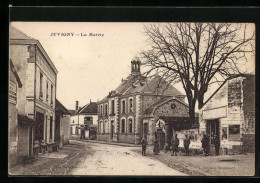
[85,158]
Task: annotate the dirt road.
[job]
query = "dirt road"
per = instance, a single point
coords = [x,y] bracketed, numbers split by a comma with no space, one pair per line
[118,160]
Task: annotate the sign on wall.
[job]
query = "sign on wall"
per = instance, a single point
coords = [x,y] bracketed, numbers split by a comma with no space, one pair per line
[219,112]
[12,92]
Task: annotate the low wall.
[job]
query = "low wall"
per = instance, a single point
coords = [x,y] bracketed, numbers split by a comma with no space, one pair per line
[103,137]
[127,138]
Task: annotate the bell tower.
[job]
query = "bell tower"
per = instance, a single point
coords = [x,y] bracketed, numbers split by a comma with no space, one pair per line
[135,65]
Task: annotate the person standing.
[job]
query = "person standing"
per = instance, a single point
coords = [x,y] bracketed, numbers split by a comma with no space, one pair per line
[204,144]
[156,146]
[217,144]
[82,132]
[143,142]
[186,144]
[175,145]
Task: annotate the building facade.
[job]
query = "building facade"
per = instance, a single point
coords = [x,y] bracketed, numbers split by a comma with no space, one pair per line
[229,114]
[62,125]
[36,99]
[85,117]
[135,108]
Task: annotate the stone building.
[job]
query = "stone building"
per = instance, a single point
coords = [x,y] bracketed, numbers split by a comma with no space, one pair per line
[62,124]
[85,117]
[230,115]
[36,98]
[142,107]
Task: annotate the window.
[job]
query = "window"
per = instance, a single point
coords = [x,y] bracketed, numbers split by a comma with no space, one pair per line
[106,110]
[51,94]
[130,105]
[88,120]
[123,126]
[41,78]
[130,125]
[51,118]
[123,106]
[47,88]
[101,110]
[101,127]
[106,126]
[234,132]
[112,107]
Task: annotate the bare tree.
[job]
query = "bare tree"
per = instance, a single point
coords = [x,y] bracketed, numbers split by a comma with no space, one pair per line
[197,55]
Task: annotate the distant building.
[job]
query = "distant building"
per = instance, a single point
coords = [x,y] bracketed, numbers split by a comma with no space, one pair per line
[36,99]
[62,125]
[142,107]
[230,115]
[85,117]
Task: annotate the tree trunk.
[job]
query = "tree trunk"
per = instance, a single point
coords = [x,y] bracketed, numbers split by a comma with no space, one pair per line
[192,111]
[200,100]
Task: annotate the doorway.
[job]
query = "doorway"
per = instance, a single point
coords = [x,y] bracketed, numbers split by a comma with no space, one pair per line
[213,132]
[30,142]
[160,135]
[39,126]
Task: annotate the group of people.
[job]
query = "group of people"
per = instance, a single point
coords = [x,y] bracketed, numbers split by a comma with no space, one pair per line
[206,144]
[186,143]
[174,145]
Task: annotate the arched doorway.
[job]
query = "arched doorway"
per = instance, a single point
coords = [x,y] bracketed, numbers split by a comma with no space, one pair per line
[160,133]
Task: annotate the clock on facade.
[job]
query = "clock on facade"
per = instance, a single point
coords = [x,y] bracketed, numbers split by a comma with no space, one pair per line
[173,106]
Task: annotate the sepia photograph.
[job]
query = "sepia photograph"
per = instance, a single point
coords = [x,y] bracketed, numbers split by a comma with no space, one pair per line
[131,99]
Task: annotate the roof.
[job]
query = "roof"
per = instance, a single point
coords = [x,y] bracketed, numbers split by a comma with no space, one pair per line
[13,69]
[180,123]
[61,108]
[18,37]
[24,119]
[90,108]
[141,84]
[72,111]
[17,34]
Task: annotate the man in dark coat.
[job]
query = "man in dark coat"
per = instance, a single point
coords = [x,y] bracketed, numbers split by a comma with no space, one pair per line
[186,144]
[82,134]
[204,143]
[156,146]
[143,142]
[175,145]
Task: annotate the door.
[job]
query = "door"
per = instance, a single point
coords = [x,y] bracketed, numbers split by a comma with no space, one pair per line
[161,138]
[213,131]
[112,130]
[30,141]
[57,129]
[39,126]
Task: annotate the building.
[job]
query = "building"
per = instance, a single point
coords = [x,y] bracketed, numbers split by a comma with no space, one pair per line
[20,126]
[230,115]
[62,125]
[142,107]
[36,99]
[84,117]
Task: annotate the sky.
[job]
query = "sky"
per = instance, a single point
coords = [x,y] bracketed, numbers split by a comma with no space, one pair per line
[89,67]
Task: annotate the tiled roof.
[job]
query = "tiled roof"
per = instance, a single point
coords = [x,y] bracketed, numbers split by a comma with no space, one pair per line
[17,34]
[141,84]
[90,108]
[72,111]
[60,107]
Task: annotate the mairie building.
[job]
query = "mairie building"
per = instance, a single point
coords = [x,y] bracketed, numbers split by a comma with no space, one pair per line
[142,107]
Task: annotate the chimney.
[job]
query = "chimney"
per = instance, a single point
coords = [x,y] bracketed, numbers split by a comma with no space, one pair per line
[135,66]
[77,105]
